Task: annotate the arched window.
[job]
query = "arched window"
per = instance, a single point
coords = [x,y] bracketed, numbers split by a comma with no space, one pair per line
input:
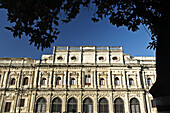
[88,105]
[149,81]
[58,81]
[25,81]
[41,105]
[131,82]
[72,105]
[73,81]
[87,80]
[43,81]
[56,105]
[119,105]
[13,81]
[134,106]
[102,81]
[103,106]
[117,81]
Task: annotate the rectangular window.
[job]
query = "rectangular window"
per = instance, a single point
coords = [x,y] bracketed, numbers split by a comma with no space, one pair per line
[153,103]
[7,107]
[22,102]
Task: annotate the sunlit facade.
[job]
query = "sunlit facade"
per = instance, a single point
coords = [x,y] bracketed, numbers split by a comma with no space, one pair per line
[85,79]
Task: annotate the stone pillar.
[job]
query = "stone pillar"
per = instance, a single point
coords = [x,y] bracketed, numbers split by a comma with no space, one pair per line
[2,102]
[124,79]
[139,80]
[69,79]
[39,79]
[5,80]
[50,79]
[127,104]
[79,79]
[113,80]
[64,79]
[95,79]
[148,103]
[83,76]
[36,78]
[109,79]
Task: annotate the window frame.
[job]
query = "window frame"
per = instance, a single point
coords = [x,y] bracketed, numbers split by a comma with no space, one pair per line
[7,108]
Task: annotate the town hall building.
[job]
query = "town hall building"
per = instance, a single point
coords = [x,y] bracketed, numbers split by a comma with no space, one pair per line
[78,79]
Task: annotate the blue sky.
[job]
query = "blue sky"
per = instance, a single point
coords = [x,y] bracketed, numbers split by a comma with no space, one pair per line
[81,31]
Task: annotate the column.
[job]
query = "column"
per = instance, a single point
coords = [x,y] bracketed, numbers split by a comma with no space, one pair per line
[68,79]
[127,105]
[92,79]
[5,80]
[83,75]
[148,103]
[139,80]
[32,102]
[95,78]
[36,78]
[109,79]
[39,79]
[50,78]
[124,79]
[79,81]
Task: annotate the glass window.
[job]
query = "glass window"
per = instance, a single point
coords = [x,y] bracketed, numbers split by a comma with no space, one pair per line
[41,105]
[72,105]
[102,81]
[13,81]
[131,81]
[58,81]
[134,106]
[119,106]
[25,81]
[88,105]
[7,107]
[103,106]
[149,81]
[73,81]
[43,81]
[101,58]
[22,102]
[56,105]
[87,80]
[153,103]
[117,81]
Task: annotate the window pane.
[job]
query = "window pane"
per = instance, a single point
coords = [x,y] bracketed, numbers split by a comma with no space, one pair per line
[7,106]
[22,102]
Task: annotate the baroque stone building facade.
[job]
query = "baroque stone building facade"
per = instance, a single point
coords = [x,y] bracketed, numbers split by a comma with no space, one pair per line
[78,79]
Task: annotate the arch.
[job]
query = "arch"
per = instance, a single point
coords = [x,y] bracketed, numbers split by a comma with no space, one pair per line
[57,105]
[102,81]
[72,105]
[119,106]
[41,105]
[13,81]
[134,106]
[88,105]
[103,106]
[25,81]
[43,81]
[149,80]
[58,81]
[117,82]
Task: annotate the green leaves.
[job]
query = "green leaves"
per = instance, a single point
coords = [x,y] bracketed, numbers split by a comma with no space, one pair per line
[39,19]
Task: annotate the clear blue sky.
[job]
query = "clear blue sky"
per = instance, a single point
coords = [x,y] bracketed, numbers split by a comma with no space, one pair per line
[81,31]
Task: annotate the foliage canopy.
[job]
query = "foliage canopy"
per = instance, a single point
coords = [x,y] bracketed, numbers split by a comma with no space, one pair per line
[39,19]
